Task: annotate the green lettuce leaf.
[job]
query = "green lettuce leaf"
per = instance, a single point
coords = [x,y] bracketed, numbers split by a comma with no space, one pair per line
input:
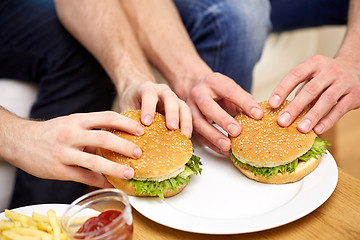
[154,188]
[317,149]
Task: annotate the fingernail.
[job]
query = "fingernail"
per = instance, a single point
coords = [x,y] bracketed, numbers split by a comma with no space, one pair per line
[255,113]
[319,128]
[233,129]
[274,100]
[304,125]
[223,145]
[174,123]
[140,130]
[137,152]
[284,118]
[128,173]
[187,132]
[147,120]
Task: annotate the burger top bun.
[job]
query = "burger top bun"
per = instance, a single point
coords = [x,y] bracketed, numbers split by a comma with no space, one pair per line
[263,143]
[164,152]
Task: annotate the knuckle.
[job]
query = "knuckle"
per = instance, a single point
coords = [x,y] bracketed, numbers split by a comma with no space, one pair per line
[194,92]
[164,86]
[315,115]
[204,105]
[64,135]
[231,93]
[340,111]
[330,98]
[58,170]
[110,116]
[296,73]
[311,89]
[211,79]
[197,124]
[102,137]
[90,163]
[317,58]
[58,152]
[294,109]
[330,121]
[169,94]
[146,84]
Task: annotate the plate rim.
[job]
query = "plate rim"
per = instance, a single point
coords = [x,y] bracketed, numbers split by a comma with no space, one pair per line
[326,194]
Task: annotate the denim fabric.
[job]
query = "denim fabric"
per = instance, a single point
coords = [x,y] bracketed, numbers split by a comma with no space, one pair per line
[35,47]
[289,14]
[228,34]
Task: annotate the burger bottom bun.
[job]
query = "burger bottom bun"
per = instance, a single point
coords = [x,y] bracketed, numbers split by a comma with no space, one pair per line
[302,169]
[127,187]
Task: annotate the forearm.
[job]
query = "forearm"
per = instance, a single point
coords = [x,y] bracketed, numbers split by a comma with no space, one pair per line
[165,40]
[102,27]
[10,128]
[350,48]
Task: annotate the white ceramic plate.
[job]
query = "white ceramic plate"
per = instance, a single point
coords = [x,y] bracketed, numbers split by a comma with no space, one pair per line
[223,201]
[39,208]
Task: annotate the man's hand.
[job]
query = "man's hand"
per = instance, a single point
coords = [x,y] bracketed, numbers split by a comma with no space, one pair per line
[331,86]
[215,99]
[151,97]
[63,148]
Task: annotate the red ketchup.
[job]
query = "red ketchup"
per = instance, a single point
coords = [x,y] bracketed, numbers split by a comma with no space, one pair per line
[97,226]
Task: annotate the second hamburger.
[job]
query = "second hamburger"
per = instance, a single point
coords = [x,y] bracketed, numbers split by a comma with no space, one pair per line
[268,153]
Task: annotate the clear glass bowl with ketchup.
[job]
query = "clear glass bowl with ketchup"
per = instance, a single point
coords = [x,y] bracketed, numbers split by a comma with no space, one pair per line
[103,214]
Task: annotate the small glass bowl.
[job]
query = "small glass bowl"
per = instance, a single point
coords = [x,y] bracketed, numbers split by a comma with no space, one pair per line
[93,204]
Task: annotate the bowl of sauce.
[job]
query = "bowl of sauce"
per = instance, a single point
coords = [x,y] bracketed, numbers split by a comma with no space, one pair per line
[103,214]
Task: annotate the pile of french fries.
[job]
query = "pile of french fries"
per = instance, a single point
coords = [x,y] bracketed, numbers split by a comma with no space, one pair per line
[36,227]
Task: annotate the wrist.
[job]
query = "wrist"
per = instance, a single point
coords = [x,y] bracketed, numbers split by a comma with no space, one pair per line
[184,76]
[128,74]
[11,129]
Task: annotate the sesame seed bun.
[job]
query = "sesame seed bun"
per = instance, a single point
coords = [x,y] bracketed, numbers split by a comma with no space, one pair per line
[263,143]
[164,152]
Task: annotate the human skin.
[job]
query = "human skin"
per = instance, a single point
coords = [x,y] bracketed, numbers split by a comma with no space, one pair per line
[330,85]
[103,28]
[160,38]
[63,148]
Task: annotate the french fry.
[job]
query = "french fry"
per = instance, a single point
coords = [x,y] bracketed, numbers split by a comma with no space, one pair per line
[6,225]
[78,220]
[37,227]
[54,224]
[44,226]
[39,217]
[31,232]
[26,220]
[11,235]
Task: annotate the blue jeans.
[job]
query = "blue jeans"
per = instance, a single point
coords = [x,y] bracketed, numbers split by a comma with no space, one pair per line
[228,34]
[35,47]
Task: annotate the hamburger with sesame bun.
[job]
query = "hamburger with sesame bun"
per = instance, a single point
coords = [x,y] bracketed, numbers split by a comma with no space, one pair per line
[166,163]
[269,153]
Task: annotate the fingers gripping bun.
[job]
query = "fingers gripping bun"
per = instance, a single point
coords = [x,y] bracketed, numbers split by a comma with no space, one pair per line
[264,144]
[164,153]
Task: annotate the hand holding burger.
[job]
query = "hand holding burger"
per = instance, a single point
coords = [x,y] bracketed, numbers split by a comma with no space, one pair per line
[166,163]
[269,153]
